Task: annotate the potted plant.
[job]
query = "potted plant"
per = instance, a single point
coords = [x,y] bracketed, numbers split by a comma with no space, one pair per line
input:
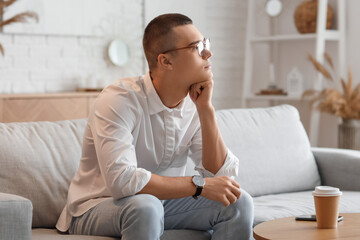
[343,102]
[21,17]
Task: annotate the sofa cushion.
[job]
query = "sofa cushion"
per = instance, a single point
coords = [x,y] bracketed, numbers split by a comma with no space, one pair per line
[46,234]
[273,149]
[15,217]
[38,161]
[53,234]
[270,207]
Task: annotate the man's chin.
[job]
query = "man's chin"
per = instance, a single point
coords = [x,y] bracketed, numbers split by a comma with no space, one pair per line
[209,75]
[208,72]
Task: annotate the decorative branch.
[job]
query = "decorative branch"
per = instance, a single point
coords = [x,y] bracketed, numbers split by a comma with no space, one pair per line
[4,4]
[2,50]
[18,18]
[320,68]
[331,100]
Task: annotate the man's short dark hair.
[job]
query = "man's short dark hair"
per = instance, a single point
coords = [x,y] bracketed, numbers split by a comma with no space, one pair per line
[157,35]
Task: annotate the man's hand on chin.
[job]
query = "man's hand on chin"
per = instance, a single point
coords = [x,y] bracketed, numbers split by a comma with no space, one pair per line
[201,93]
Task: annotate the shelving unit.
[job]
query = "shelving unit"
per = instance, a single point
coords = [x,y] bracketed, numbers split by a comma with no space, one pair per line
[320,38]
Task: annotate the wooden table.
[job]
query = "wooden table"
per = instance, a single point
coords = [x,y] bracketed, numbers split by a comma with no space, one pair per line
[288,228]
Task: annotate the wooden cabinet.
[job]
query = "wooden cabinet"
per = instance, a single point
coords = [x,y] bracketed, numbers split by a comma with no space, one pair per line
[45,107]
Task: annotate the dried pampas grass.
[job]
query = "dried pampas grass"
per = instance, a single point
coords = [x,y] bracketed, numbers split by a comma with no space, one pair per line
[320,68]
[21,17]
[345,104]
[4,4]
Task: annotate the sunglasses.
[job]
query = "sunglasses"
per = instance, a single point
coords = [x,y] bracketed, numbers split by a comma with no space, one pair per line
[200,47]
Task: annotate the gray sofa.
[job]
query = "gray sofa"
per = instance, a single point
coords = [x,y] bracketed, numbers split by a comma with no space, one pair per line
[277,167]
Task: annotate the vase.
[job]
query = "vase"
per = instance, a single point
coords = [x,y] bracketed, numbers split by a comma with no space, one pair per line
[349,134]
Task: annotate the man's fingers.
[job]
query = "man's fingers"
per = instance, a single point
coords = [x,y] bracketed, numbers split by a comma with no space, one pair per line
[236,191]
[235,183]
[232,198]
[193,94]
[201,85]
[235,188]
[225,201]
[223,189]
[198,89]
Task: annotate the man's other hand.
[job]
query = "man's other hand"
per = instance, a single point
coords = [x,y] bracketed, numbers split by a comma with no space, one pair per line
[222,189]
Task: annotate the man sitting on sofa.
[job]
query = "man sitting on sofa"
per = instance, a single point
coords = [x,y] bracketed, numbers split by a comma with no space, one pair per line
[139,135]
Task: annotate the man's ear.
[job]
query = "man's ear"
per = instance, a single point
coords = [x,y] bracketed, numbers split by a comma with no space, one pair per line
[164,62]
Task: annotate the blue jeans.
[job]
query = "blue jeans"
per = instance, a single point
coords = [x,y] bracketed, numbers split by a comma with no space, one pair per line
[145,217]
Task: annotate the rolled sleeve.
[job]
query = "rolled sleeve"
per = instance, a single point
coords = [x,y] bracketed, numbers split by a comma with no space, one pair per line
[128,182]
[115,151]
[230,167]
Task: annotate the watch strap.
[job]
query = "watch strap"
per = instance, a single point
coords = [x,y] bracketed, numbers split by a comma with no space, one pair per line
[198,192]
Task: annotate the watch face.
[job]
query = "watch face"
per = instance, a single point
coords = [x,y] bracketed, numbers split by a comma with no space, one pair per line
[198,181]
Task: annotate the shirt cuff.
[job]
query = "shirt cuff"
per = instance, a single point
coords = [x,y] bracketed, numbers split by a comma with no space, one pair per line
[230,167]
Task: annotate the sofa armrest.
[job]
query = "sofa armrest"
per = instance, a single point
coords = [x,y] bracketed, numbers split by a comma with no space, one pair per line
[15,217]
[338,167]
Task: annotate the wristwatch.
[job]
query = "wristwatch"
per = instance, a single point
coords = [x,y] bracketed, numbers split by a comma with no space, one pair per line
[199,183]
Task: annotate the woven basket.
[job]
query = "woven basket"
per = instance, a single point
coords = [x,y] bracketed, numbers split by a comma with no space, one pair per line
[305,17]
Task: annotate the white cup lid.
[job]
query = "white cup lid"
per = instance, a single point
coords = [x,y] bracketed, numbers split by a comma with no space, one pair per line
[326,191]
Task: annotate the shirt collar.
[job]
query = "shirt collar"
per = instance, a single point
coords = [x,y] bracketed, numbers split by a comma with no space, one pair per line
[154,102]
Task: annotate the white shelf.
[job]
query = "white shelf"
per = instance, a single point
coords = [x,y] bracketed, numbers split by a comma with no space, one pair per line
[328,35]
[334,35]
[319,39]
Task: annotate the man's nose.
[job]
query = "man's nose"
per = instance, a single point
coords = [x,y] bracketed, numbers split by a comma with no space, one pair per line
[206,54]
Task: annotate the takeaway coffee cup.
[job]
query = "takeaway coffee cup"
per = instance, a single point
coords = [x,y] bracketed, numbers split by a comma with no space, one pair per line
[327,201]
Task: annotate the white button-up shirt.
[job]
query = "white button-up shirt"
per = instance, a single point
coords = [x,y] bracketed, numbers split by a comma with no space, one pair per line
[129,135]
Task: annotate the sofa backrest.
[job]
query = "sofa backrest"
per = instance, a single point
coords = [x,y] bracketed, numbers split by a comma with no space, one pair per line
[273,149]
[38,161]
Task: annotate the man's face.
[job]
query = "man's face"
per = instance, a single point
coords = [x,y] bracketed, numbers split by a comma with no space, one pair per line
[187,63]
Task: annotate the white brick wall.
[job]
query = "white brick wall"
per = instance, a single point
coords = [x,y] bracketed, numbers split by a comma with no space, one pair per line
[226,22]
[51,63]
[54,63]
